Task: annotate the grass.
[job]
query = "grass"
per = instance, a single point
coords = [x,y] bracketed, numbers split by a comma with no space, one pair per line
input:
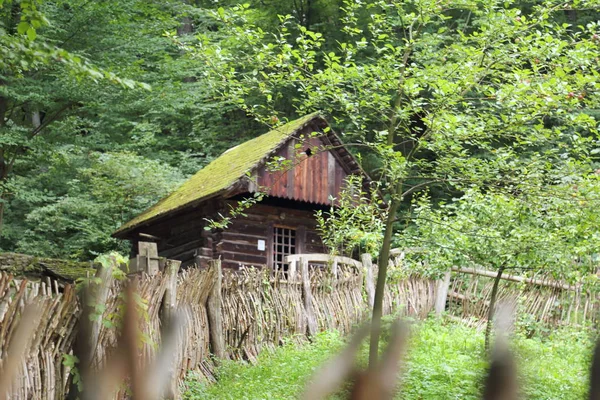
[445,361]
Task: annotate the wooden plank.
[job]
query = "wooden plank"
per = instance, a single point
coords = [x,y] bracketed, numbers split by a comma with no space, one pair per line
[269,245]
[245,258]
[246,227]
[242,248]
[181,248]
[324,258]
[289,174]
[300,239]
[297,181]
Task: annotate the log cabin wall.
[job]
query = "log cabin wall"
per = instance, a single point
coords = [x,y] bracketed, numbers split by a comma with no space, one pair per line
[239,244]
[183,237]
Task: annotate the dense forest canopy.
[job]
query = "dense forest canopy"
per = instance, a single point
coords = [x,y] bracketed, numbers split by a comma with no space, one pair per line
[105,107]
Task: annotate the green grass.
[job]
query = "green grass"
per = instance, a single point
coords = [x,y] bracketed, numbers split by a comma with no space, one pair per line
[445,361]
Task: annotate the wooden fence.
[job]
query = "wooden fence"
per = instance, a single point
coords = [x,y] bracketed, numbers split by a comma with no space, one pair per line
[43,373]
[231,314]
[540,300]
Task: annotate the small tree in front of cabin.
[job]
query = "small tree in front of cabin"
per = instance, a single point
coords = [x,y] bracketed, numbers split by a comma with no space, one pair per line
[355,221]
[443,95]
[556,235]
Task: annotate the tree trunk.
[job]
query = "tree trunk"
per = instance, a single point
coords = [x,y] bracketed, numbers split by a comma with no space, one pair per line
[3,161]
[384,259]
[488,327]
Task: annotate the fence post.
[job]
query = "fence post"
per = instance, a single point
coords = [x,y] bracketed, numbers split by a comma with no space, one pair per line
[215,316]
[442,294]
[334,267]
[99,290]
[88,327]
[169,332]
[292,270]
[311,319]
[170,298]
[369,282]
[148,260]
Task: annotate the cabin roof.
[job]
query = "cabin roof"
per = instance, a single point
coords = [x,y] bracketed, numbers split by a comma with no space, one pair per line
[222,173]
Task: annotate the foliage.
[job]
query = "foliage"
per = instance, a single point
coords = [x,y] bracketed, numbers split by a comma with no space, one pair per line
[92,196]
[448,96]
[451,96]
[77,93]
[354,222]
[444,360]
[280,374]
[554,232]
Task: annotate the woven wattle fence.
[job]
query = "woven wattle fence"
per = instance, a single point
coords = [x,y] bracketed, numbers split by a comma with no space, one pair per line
[258,310]
[539,301]
[43,374]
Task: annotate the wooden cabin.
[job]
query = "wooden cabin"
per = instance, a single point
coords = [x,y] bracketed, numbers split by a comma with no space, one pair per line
[299,167]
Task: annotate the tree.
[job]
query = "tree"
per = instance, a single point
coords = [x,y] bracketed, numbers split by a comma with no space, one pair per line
[447,96]
[102,191]
[27,106]
[355,222]
[554,232]
[75,78]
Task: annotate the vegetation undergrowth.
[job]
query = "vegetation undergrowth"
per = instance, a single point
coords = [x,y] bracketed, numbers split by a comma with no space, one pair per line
[279,374]
[445,361]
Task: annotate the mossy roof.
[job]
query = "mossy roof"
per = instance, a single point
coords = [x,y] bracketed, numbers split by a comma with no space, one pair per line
[23,265]
[221,173]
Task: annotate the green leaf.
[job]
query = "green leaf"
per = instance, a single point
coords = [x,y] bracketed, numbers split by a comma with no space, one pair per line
[22,27]
[31,34]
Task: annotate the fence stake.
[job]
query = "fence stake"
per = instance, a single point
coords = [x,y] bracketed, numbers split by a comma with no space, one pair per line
[169,332]
[292,270]
[369,282]
[311,320]
[443,285]
[99,289]
[215,316]
[170,298]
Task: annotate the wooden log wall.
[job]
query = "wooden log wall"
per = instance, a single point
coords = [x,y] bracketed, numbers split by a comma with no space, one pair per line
[183,237]
[238,244]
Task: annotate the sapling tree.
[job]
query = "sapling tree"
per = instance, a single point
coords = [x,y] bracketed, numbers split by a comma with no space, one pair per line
[354,220]
[439,95]
[555,233]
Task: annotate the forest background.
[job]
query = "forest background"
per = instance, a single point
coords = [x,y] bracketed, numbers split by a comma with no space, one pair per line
[104,110]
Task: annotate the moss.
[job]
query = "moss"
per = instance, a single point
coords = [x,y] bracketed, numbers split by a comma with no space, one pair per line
[222,173]
[70,270]
[23,265]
